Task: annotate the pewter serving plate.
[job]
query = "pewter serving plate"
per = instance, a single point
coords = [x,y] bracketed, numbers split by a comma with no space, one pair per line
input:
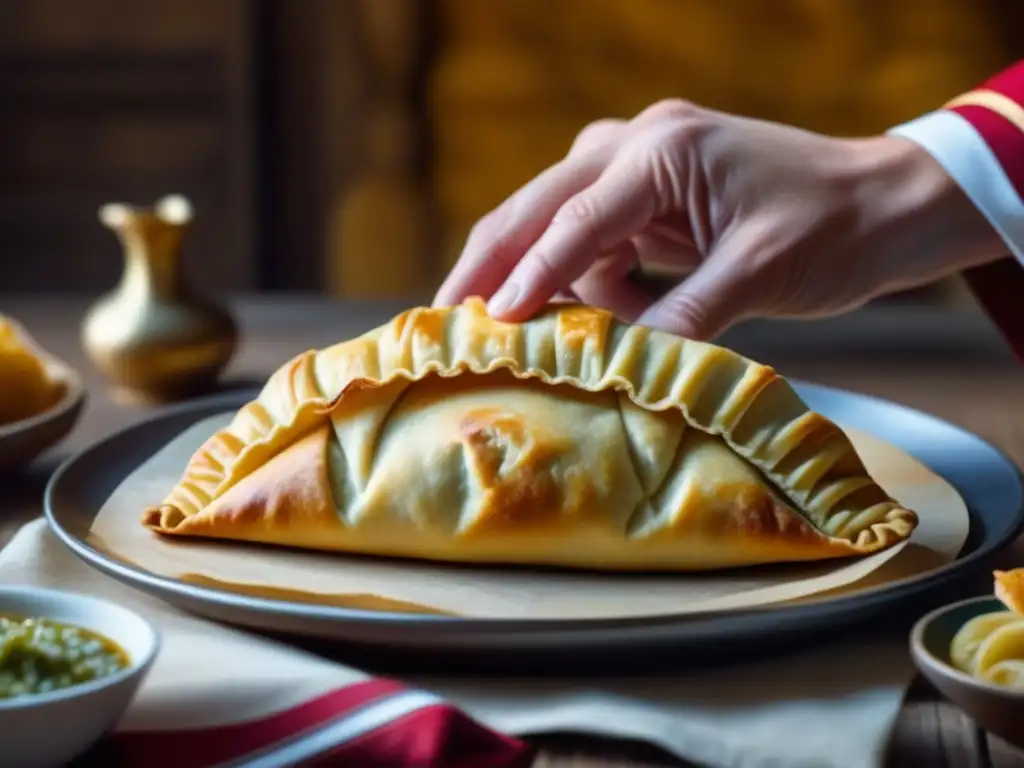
[989,483]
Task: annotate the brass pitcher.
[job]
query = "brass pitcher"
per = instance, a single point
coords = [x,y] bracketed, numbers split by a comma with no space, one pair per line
[153,335]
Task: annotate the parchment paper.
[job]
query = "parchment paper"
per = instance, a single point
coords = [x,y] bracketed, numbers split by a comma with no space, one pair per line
[510,593]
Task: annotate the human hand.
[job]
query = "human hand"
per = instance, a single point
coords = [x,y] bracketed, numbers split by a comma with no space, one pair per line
[768,220]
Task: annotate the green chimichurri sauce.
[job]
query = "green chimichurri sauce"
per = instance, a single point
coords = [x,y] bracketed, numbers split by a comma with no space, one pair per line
[38,655]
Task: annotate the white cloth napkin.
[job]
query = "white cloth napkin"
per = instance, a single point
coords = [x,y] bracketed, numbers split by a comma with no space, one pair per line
[827,707]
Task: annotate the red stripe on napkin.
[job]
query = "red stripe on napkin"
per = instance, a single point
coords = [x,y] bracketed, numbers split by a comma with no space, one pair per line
[439,736]
[208,746]
[999,288]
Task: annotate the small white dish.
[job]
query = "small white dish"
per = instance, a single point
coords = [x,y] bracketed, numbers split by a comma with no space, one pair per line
[50,729]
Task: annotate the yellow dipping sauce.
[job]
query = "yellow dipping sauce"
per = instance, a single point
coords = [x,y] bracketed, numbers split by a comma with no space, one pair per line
[38,655]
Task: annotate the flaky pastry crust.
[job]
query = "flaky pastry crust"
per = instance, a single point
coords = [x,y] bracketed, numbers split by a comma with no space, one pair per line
[571,439]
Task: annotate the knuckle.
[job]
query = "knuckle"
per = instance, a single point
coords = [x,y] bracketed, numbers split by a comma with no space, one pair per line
[545,264]
[542,269]
[580,209]
[597,133]
[664,157]
[490,228]
[582,214]
[670,110]
[666,149]
[675,134]
[664,141]
[687,311]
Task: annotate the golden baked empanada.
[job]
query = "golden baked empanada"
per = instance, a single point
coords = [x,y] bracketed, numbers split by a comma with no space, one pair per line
[568,440]
[26,386]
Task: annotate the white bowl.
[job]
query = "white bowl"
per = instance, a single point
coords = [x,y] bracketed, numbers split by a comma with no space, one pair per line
[50,729]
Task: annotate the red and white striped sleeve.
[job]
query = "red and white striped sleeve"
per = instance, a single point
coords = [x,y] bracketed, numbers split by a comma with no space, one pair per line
[978,137]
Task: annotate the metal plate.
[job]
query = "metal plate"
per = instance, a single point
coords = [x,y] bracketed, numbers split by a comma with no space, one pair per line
[989,482]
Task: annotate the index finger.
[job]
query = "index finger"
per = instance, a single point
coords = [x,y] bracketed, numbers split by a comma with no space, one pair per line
[502,237]
[618,205]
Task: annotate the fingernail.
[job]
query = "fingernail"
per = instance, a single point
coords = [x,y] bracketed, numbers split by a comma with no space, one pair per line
[504,299]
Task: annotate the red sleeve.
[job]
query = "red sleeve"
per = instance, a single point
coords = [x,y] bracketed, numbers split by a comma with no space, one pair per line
[978,137]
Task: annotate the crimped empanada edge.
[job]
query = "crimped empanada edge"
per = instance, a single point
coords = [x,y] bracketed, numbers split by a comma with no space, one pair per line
[894,526]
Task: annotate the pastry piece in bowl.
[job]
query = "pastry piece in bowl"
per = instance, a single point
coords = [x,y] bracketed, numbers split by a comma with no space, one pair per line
[28,385]
[1008,587]
[41,397]
[569,440]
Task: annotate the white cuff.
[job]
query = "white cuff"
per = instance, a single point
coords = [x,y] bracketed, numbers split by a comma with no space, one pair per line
[960,149]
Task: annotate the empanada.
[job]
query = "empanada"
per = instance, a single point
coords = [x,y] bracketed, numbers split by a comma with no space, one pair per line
[569,440]
[27,388]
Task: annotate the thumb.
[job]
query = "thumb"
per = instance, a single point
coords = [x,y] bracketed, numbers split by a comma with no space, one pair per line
[719,293]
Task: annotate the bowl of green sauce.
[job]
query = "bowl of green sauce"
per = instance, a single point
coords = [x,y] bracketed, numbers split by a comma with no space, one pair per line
[70,665]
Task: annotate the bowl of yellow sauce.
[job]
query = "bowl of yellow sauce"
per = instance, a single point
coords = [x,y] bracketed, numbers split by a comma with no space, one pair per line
[70,665]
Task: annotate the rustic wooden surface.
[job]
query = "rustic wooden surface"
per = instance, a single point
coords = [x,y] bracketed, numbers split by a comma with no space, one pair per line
[953,367]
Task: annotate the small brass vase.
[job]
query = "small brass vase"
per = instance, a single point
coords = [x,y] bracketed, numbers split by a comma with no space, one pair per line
[153,336]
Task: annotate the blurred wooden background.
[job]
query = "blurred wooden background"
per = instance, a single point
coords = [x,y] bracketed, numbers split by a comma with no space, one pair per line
[346,146]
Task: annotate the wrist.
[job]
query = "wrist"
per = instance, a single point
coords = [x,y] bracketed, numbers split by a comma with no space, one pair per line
[916,220]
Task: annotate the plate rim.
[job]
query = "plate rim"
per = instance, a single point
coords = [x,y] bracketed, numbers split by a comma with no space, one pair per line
[808,610]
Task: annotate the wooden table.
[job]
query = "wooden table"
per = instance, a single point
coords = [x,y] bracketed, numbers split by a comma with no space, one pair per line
[951,365]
